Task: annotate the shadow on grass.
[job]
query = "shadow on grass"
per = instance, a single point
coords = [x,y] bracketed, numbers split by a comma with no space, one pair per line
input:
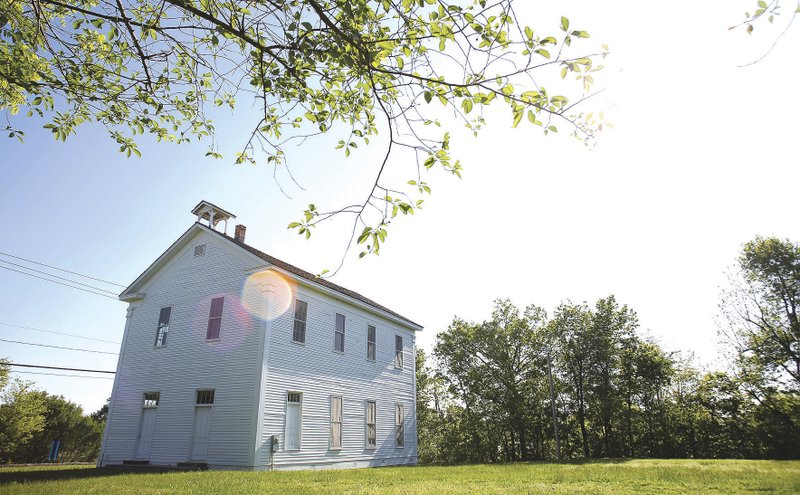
[30,476]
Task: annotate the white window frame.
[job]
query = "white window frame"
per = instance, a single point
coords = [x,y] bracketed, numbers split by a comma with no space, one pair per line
[297,302]
[373,342]
[165,334]
[399,425]
[398,353]
[145,400]
[334,424]
[300,424]
[336,331]
[367,423]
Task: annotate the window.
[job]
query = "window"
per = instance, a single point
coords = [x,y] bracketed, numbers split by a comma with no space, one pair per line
[151,399]
[215,318]
[371,343]
[399,418]
[398,351]
[336,423]
[163,327]
[370,420]
[300,313]
[200,250]
[294,419]
[204,398]
[338,340]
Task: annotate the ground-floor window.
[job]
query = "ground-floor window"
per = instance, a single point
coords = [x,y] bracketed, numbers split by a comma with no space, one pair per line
[399,420]
[370,424]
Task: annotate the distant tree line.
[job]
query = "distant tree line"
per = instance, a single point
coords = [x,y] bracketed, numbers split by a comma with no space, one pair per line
[31,419]
[485,395]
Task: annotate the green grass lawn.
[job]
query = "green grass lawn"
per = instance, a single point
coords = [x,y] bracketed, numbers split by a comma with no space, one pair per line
[603,477]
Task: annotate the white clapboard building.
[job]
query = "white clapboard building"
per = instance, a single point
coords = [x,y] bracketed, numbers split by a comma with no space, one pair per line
[233,359]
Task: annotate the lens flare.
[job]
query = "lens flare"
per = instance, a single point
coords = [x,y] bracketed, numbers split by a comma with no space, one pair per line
[256,288]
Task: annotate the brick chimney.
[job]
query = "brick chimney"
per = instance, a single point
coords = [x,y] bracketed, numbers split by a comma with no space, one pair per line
[239,234]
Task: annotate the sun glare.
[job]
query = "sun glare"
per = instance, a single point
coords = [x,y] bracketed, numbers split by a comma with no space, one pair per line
[256,287]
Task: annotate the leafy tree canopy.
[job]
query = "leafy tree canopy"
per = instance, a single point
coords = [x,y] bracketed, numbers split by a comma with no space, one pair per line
[762,307]
[351,67]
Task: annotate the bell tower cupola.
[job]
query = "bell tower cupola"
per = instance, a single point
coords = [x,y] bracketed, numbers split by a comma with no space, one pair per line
[212,215]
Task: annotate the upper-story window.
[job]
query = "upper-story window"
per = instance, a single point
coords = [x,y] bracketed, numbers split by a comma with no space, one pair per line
[163,326]
[371,343]
[200,250]
[338,338]
[398,351]
[300,314]
[215,318]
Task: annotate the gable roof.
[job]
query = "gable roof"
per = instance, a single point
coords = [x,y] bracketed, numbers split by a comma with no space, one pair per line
[282,265]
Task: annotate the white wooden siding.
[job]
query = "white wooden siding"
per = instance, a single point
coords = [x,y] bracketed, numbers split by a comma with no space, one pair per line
[318,371]
[188,362]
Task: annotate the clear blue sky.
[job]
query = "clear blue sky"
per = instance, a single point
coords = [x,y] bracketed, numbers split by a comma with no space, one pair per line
[703,157]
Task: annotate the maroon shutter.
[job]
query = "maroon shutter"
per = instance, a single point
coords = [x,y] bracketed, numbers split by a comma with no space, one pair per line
[215,318]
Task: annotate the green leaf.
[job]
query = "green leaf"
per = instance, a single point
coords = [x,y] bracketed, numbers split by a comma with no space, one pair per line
[518,113]
[564,24]
[544,53]
[467,105]
[428,96]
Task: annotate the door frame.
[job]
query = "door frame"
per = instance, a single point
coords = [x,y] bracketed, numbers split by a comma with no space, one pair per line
[194,421]
[146,407]
[286,406]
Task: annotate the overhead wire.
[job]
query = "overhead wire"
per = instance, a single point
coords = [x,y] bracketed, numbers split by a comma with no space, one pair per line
[58,347]
[60,278]
[64,374]
[62,269]
[57,333]
[57,368]
[60,283]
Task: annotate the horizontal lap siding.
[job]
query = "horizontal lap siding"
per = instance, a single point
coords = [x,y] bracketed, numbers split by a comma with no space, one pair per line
[316,370]
[189,362]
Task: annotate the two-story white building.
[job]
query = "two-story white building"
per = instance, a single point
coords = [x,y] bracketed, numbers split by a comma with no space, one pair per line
[236,360]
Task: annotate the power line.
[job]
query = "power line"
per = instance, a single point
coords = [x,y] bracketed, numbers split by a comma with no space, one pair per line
[58,368]
[60,278]
[64,374]
[57,333]
[62,269]
[57,347]
[57,282]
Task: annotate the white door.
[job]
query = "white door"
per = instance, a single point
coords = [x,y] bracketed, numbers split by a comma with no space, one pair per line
[200,433]
[145,439]
[293,422]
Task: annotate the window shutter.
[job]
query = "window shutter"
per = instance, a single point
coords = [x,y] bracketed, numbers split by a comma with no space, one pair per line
[336,422]
[215,318]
